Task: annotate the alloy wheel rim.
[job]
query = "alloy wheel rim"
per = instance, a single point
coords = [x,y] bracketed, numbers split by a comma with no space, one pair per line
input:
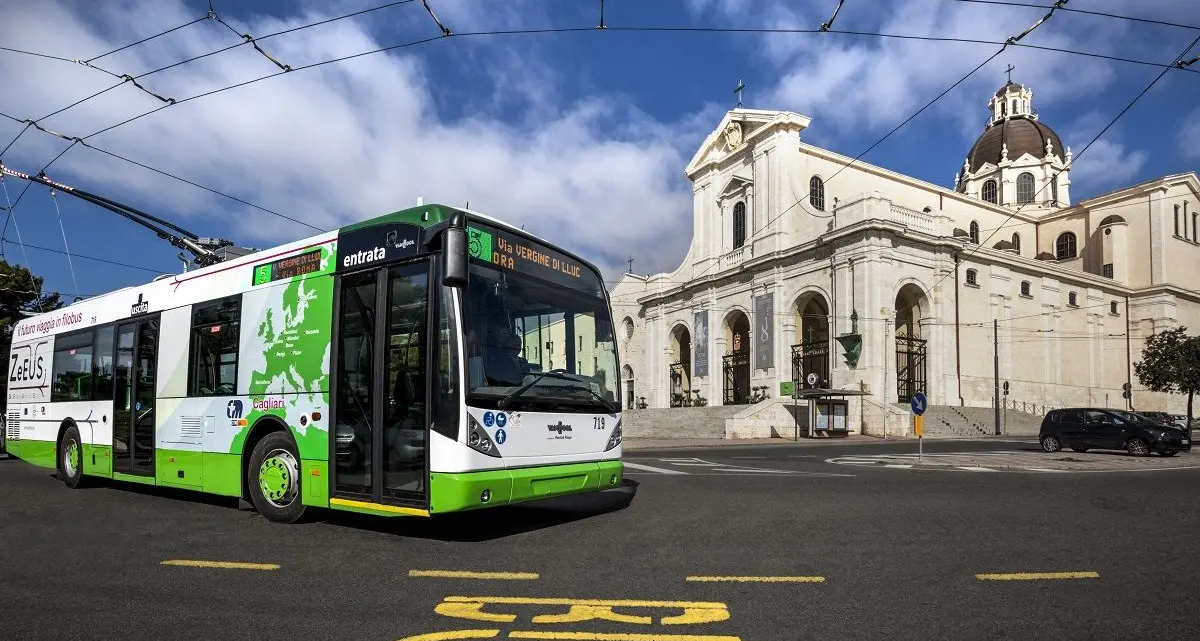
[278,478]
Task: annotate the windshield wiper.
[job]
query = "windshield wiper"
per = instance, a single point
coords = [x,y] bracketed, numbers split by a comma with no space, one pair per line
[612,409]
[504,402]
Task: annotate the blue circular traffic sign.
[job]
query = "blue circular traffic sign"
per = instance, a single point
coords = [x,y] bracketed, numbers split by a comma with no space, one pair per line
[918,403]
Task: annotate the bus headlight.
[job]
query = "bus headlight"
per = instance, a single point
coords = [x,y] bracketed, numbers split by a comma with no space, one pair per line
[614,439]
[478,439]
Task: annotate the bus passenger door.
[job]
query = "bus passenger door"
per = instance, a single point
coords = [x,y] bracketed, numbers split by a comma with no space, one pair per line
[380,400]
[134,383]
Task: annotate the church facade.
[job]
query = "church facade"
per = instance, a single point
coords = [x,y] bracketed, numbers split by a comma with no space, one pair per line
[807,269]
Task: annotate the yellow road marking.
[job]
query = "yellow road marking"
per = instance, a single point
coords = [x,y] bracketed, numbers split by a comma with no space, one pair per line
[466,574]
[454,634]
[620,636]
[565,601]
[225,565]
[1037,576]
[759,579]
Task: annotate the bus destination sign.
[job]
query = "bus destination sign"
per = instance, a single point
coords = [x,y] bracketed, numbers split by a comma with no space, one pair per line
[507,251]
[290,267]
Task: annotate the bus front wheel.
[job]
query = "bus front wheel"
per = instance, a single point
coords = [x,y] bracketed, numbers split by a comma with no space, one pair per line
[273,478]
[70,458]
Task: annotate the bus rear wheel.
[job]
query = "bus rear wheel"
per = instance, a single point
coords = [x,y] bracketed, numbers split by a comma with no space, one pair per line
[70,458]
[273,478]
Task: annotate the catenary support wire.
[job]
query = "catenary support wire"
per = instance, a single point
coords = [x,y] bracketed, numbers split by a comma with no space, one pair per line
[825,26]
[247,38]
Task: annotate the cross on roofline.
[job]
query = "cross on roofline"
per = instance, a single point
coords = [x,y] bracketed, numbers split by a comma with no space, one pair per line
[1009,71]
[740,88]
[630,261]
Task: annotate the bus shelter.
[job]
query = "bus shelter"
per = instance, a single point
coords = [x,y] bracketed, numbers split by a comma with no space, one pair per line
[827,410]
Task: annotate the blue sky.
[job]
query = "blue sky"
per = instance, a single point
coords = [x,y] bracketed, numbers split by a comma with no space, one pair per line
[580,136]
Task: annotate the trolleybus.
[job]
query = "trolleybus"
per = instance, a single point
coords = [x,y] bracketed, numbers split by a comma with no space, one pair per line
[428,361]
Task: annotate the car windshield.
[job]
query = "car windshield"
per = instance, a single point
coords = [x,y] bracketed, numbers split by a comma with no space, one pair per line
[1130,417]
[537,345]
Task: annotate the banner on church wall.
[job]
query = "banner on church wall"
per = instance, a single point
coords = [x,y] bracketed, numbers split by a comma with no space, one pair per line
[764,336]
[700,344]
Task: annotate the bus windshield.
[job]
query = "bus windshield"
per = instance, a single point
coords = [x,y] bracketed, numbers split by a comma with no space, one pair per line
[535,345]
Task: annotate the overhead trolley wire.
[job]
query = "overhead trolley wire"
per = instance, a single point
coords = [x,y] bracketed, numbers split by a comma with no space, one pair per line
[1105,14]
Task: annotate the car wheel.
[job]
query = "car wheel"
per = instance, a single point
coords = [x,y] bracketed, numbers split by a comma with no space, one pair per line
[1137,447]
[1051,443]
[1168,453]
[273,478]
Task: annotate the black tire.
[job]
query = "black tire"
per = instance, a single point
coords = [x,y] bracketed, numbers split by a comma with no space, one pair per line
[281,500]
[1051,443]
[1168,453]
[70,458]
[1081,450]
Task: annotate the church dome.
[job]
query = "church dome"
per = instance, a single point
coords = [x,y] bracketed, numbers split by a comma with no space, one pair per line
[1021,133]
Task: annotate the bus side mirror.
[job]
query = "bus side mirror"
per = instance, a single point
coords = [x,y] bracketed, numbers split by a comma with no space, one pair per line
[454,253]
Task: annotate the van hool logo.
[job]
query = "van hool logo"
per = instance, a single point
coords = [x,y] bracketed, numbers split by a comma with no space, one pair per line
[140,307]
[559,428]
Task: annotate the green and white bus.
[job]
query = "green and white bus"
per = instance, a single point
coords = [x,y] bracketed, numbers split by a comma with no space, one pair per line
[424,362]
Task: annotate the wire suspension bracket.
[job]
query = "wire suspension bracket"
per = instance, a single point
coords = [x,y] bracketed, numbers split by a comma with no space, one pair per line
[445,30]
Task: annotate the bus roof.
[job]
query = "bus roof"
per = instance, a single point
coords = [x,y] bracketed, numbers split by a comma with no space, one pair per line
[422,215]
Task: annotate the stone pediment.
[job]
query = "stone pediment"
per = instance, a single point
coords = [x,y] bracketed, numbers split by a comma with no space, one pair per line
[738,129]
[734,187]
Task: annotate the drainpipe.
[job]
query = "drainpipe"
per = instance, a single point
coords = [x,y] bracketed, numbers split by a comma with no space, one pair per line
[1128,357]
[957,336]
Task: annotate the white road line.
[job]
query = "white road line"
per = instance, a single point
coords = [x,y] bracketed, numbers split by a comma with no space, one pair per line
[975,469]
[648,468]
[898,465]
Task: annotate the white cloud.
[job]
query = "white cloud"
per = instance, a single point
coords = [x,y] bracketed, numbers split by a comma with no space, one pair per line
[1189,135]
[346,141]
[1106,165]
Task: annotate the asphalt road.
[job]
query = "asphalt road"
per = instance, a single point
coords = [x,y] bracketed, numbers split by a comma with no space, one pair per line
[865,552]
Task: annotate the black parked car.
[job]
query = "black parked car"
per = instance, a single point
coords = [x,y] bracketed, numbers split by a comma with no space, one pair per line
[1084,428]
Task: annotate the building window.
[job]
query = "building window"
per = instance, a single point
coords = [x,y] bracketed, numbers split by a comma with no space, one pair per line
[1071,300]
[213,357]
[1025,188]
[1108,270]
[972,277]
[739,224]
[1064,246]
[975,232]
[1177,220]
[628,325]
[1016,241]
[816,193]
[1112,308]
[1026,288]
[72,367]
[1014,107]
[1195,225]
[989,191]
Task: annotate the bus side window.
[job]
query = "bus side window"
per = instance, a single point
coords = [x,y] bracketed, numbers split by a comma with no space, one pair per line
[102,364]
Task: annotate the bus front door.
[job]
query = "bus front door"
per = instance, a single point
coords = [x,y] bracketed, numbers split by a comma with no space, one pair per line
[134,381]
[380,397]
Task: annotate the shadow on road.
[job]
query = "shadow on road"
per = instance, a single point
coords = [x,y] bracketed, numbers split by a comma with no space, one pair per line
[495,523]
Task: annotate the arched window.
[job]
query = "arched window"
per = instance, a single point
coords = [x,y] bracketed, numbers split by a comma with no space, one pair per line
[1177,220]
[975,232]
[989,191]
[1025,188]
[1014,107]
[1072,300]
[972,277]
[1112,308]
[739,224]
[816,193]
[1195,220]
[1026,288]
[1016,241]
[1064,246]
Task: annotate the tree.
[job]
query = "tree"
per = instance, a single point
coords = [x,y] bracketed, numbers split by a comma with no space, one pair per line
[20,291]
[1171,363]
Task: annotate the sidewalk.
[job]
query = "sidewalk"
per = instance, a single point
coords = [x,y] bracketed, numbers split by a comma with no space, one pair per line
[697,443]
